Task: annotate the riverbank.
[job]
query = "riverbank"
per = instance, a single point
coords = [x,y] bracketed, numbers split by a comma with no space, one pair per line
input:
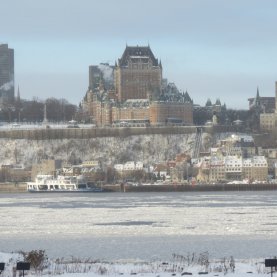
[190,188]
[22,187]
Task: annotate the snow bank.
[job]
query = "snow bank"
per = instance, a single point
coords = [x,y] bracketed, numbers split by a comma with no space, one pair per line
[178,266]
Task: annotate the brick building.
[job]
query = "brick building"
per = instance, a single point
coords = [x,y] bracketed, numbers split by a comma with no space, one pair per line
[139,94]
[138,74]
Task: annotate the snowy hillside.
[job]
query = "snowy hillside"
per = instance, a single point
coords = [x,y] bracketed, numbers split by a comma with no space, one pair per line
[147,148]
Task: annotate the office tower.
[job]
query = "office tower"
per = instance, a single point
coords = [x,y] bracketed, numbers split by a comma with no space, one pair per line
[6,73]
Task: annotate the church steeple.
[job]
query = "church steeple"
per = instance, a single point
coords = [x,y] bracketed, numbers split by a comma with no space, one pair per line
[187,97]
[257,99]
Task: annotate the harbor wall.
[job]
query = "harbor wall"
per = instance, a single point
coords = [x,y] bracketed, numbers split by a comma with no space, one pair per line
[22,187]
[195,188]
[13,187]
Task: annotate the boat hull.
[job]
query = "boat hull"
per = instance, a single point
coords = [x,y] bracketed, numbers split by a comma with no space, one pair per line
[61,184]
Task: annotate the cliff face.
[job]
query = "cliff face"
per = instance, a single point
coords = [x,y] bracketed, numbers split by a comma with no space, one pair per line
[146,148]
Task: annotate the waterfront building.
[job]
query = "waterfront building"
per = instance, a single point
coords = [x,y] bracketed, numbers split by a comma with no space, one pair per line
[255,169]
[47,167]
[235,159]
[233,168]
[6,74]
[216,169]
[129,166]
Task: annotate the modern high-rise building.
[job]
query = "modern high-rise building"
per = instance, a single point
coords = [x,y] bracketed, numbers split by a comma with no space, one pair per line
[6,73]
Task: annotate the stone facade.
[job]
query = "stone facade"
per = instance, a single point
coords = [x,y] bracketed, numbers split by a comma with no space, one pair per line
[267,121]
[138,75]
[139,95]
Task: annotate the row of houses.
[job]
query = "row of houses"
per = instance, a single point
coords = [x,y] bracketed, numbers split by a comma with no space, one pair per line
[232,168]
[129,166]
[235,159]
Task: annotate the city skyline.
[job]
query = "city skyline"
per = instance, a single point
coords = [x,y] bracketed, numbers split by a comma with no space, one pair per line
[209,48]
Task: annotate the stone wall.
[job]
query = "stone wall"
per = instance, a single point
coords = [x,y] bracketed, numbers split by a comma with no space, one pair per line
[13,187]
[86,133]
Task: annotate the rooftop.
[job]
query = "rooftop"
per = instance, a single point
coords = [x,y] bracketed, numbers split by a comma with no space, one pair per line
[137,52]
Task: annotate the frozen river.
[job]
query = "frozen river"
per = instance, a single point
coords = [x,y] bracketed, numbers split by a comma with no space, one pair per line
[144,226]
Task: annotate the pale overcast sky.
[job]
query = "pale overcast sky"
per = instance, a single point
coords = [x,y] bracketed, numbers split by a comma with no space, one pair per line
[212,48]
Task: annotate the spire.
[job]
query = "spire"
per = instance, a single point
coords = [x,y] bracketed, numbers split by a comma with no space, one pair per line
[208,103]
[18,94]
[258,94]
[187,97]
[218,103]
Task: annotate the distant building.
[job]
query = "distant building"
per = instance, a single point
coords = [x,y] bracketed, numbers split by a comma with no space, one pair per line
[233,168]
[255,168]
[133,93]
[267,104]
[6,74]
[209,114]
[214,108]
[268,120]
[45,167]
[129,166]
[138,74]
[234,160]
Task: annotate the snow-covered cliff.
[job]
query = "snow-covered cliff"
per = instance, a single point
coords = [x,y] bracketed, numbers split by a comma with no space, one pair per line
[146,148]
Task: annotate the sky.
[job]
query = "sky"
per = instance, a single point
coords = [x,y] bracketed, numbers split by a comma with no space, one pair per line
[212,48]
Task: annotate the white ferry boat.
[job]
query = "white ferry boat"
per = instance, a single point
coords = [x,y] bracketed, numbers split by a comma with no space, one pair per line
[48,183]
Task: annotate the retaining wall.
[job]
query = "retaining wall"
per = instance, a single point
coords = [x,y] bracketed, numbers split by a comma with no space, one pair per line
[86,133]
